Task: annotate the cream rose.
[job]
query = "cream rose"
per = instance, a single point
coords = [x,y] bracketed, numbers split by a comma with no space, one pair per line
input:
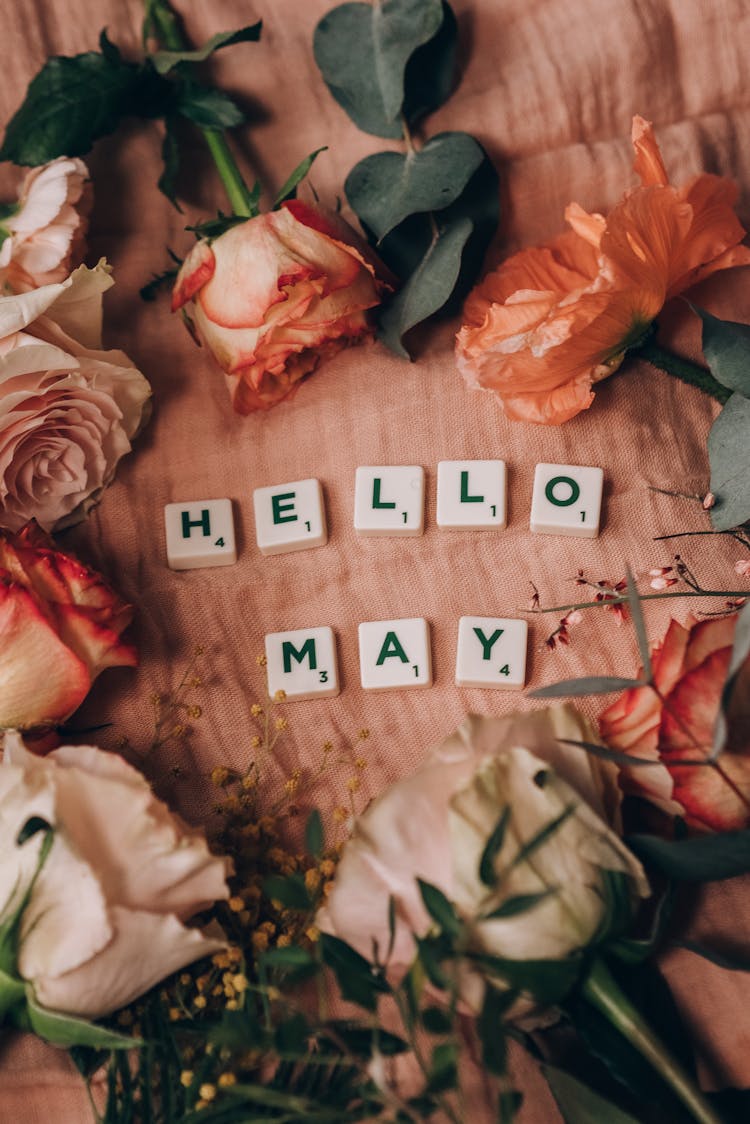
[68,410]
[42,236]
[435,824]
[105,920]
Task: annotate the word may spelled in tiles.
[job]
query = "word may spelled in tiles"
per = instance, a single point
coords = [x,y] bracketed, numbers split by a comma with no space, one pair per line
[388,500]
[396,654]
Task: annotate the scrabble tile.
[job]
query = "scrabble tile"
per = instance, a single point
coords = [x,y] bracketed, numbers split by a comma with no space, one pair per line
[491,653]
[471,495]
[199,533]
[290,517]
[302,663]
[389,500]
[395,654]
[567,500]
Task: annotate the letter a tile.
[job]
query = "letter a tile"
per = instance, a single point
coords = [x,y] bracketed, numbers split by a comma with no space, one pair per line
[395,654]
[290,517]
[199,533]
[302,663]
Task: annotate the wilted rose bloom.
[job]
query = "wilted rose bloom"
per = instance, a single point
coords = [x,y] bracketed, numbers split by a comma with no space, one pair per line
[551,321]
[42,236]
[68,410]
[106,917]
[60,625]
[274,295]
[689,667]
[435,824]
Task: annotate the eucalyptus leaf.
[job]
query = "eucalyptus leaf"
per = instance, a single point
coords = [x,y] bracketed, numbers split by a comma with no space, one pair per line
[164,61]
[726,346]
[428,288]
[740,653]
[67,1030]
[729,456]
[588,685]
[581,1105]
[207,107]
[705,858]
[430,72]
[362,51]
[289,190]
[386,188]
[70,103]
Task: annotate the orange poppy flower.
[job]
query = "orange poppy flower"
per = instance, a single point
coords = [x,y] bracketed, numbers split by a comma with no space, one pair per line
[551,321]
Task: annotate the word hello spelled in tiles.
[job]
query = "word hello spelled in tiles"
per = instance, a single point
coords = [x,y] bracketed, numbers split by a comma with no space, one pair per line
[389,501]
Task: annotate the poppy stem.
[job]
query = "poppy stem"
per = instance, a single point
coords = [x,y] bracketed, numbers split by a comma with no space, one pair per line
[683,369]
[166,24]
[602,992]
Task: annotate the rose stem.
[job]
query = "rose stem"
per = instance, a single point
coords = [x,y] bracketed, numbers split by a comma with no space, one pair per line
[226,165]
[604,994]
[682,369]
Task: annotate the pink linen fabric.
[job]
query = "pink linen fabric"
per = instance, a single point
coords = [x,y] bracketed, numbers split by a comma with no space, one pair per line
[549,89]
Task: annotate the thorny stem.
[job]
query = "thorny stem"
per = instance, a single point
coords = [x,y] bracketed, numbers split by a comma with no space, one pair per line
[603,993]
[682,369]
[165,23]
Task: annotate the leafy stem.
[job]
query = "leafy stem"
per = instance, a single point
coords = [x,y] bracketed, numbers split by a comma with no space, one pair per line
[603,993]
[164,23]
[683,369]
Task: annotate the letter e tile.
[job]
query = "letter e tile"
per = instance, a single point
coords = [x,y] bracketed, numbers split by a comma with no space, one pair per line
[199,533]
[302,663]
[567,500]
[290,517]
[395,654]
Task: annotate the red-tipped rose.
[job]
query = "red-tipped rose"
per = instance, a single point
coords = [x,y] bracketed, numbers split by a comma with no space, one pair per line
[60,625]
[271,296]
[677,724]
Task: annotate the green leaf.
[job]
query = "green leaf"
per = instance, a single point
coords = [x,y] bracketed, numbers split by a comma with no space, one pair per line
[706,858]
[542,836]
[430,72]
[270,1098]
[634,604]
[435,1021]
[362,1041]
[164,61]
[521,903]
[170,154]
[289,890]
[12,993]
[588,685]
[740,653]
[362,51]
[491,1031]
[32,827]
[624,760]
[291,957]
[492,848]
[314,837]
[208,108]
[289,190]
[548,981]
[443,1071]
[70,103]
[726,346]
[634,950]
[439,908]
[109,49]
[730,961]
[581,1105]
[729,456]
[67,1030]
[353,973]
[428,288]
[386,188]
[214,228]
[148,292]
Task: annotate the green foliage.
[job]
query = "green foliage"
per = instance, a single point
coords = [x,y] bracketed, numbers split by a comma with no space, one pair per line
[164,61]
[587,685]
[439,908]
[705,858]
[314,836]
[289,190]
[290,891]
[581,1105]
[492,848]
[356,977]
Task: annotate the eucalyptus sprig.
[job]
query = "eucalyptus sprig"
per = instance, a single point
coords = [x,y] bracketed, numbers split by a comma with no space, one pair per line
[430,210]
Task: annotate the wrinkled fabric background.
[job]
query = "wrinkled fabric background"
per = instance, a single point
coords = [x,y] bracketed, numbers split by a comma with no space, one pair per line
[549,88]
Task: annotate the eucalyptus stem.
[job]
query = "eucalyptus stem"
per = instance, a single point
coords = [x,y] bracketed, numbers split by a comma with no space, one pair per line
[167,27]
[683,369]
[603,993]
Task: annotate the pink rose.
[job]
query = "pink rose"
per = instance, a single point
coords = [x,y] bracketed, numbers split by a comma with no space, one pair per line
[105,920]
[68,410]
[60,625]
[271,296]
[689,666]
[42,238]
[436,823]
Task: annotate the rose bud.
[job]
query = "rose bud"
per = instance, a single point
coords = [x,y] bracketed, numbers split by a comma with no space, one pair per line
[44,234]
[60,625]
[68,410]
[435,825]
[677,724]
[105,917]
[272,296]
